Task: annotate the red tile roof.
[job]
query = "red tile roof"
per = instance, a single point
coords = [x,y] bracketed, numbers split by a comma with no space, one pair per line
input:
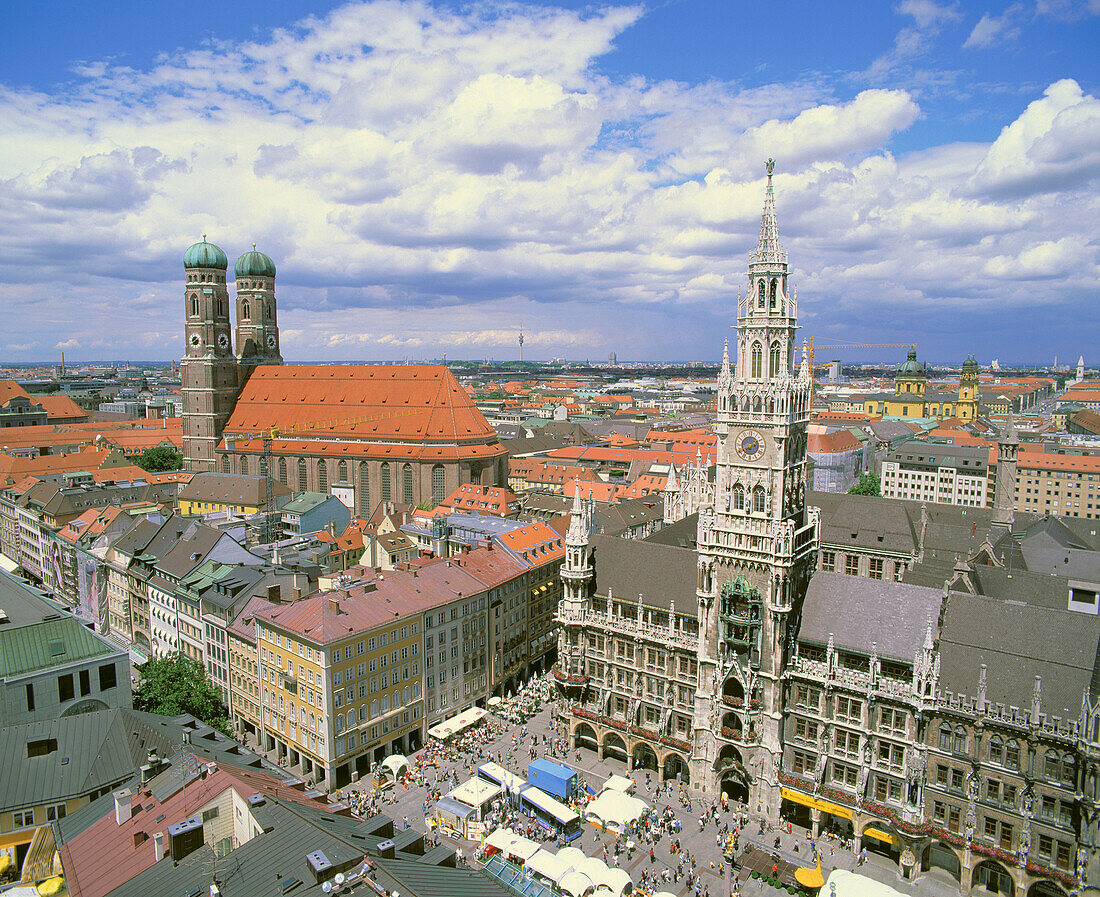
[493,500]
[314,403]
[61,408]
[832,443]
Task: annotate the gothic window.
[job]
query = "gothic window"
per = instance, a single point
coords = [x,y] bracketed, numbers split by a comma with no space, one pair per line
[245,310]
[475,473]
[322,476]
[244,466]
[364,489]
[263,466]
[194,306]
[773,359]
[437,484]
[761,293]
[774,293]
[757,405]
[225,463]
[385,477]
[282,471]
[757,359]
[759,500]
[342,471]
[303,482]
[738,497]
[407,484]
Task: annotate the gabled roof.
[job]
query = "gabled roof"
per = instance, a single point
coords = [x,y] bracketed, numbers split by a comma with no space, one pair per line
[39,646]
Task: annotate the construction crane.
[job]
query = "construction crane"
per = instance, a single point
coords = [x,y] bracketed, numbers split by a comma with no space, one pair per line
[809,344]
[311,428]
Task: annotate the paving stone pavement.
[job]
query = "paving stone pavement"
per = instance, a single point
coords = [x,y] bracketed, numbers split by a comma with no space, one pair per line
[403,803]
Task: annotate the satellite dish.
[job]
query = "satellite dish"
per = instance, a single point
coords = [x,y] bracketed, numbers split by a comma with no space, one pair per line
[339,879]
[326,887]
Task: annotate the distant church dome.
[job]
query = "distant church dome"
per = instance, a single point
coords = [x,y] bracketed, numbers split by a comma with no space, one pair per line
[971,364]
[254,264]
[912,367]
[204,255]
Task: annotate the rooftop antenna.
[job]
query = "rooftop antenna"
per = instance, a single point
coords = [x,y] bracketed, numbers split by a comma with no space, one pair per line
[521,343]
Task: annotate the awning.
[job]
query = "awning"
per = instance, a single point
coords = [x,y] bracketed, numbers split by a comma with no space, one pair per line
[40,861]
[7,564]
[454,808]
[799,798]
[511,844]
[616,808]
[456,724]
[616,881]
[881,835]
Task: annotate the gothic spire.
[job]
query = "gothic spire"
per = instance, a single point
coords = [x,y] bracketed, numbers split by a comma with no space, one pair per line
[767,247]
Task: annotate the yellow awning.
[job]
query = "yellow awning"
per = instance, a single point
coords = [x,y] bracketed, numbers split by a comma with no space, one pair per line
[799,798]
[881,835]
[12,839]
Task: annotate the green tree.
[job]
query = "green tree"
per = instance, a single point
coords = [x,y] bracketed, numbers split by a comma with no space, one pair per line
[868,485]
[160,458]
[177,684]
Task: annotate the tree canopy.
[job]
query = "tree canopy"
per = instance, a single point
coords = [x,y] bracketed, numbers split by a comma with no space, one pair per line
[177,684]
[160,458]
[868,485]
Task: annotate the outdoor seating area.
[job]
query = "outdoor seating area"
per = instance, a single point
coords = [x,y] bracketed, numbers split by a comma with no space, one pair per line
[457,724]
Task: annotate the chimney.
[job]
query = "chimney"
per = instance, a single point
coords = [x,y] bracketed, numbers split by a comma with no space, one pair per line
[122,806]
[158,847]
[334,604]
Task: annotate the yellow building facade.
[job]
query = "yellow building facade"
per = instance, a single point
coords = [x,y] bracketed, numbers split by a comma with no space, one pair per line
[912,398]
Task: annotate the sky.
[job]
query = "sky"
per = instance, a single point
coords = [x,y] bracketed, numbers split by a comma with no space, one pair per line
[431,177]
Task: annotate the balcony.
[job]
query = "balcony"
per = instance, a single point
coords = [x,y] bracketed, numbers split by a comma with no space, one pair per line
[568,679]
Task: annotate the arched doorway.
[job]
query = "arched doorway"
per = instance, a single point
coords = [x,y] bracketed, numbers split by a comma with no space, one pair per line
[994,877]
[614,748]
[584,736]
[644,757]
[876,839]
[1046,888]
[734,788]
[941,857]
[676,767]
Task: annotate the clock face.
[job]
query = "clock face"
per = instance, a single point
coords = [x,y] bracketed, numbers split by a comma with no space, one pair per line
[223,341]
[271,341]
[750,445]
[196,340]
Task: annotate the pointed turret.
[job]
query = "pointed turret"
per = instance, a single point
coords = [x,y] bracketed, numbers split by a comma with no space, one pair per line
[767,246]
[804,372]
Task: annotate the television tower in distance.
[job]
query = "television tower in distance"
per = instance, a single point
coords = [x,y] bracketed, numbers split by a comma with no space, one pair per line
[521,343]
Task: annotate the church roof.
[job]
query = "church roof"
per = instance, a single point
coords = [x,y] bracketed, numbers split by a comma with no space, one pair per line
[205,255]
[363,403]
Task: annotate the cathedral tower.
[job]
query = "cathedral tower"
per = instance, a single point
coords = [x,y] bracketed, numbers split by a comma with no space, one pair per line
[967,406]
[208,370]
[257,320]
[757,540]
[577,574]
[1004,495]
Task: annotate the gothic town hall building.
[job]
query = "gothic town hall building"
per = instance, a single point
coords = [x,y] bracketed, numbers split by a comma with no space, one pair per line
[945,715]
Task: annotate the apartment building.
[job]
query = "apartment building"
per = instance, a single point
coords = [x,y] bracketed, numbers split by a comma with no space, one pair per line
[1062,481]
[940,474]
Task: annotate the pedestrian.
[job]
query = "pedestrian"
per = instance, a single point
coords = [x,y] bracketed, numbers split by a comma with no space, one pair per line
[652,856]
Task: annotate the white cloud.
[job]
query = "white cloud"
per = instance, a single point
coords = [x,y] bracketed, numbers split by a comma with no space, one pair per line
[426,180]
[994,30]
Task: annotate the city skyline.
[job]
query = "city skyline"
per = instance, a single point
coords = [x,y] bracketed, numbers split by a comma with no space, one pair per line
[428,176]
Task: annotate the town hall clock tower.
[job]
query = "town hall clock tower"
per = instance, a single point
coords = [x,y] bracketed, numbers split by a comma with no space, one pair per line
[757,541]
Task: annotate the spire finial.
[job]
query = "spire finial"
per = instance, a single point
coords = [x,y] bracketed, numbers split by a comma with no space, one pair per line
[204,238]
[253,247]
[768,250]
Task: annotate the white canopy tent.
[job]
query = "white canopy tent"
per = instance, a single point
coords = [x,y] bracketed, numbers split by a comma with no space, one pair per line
[575,884]
[395,765]
[456,724]
[512,845]
[616,810]
[547,866]
[619,783]
[571,856]
[594,868]
[615,882]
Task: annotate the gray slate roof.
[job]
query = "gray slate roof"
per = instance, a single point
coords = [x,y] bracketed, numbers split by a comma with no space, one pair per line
[659,573]
[858,612]
[1018,642]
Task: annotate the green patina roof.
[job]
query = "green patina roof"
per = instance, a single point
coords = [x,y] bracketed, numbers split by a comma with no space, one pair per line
[254,264]
[205,255]
[39,646]
[911,367]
